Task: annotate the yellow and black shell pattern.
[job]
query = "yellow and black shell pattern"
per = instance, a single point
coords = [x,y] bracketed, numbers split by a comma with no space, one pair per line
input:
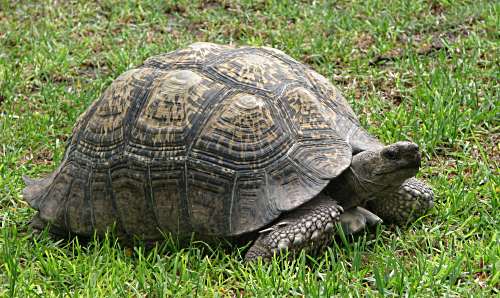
[210,139]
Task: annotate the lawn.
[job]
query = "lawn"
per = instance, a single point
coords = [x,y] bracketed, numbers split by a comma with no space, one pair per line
[426,71]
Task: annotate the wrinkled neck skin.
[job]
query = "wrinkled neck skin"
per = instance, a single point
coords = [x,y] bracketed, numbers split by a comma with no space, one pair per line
[351,190]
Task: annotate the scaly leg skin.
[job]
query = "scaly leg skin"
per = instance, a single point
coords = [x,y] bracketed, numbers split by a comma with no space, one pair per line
[412,200]
[309,227]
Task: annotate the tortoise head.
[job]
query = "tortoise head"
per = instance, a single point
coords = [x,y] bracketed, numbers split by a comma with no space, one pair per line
[384,169]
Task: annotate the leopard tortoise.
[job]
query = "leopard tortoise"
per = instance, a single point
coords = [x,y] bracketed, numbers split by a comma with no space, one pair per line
[221,141]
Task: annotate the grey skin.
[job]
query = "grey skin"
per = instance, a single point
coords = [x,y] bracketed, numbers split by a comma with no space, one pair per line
[380,179]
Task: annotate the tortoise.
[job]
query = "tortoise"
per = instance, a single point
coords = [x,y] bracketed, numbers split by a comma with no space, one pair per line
[222,142]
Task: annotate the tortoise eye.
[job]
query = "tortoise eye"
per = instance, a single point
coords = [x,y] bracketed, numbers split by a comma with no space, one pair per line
[391,154]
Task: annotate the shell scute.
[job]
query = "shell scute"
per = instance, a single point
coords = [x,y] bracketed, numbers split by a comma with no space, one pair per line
[101,132]
[133,202]
[209,194]
[244,133]
[195,54]
[256,70]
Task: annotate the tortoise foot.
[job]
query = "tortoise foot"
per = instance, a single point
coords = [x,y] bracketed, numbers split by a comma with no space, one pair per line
[412,200]
[356,219]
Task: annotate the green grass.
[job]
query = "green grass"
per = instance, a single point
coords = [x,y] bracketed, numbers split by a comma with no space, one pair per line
[427,71]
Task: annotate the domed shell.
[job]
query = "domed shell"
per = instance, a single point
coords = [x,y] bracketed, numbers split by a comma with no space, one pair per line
[208,139]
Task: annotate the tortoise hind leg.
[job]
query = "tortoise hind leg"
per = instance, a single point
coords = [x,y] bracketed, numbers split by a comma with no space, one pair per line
[37,225]
[308,227]
[412,200]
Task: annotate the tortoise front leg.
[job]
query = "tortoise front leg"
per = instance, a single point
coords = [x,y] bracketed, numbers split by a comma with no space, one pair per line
[410,201]
[308,227]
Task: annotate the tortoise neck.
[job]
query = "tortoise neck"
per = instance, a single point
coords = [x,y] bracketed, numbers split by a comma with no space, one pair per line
[348,189]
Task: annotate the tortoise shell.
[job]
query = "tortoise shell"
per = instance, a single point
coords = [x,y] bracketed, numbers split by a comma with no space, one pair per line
[208,139]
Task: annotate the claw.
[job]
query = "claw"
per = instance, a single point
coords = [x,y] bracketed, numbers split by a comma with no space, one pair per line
[266,230]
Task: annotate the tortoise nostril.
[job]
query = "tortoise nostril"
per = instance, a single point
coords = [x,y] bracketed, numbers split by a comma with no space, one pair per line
[412,147]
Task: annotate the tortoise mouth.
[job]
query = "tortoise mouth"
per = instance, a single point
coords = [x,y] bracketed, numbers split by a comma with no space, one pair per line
[395,177]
